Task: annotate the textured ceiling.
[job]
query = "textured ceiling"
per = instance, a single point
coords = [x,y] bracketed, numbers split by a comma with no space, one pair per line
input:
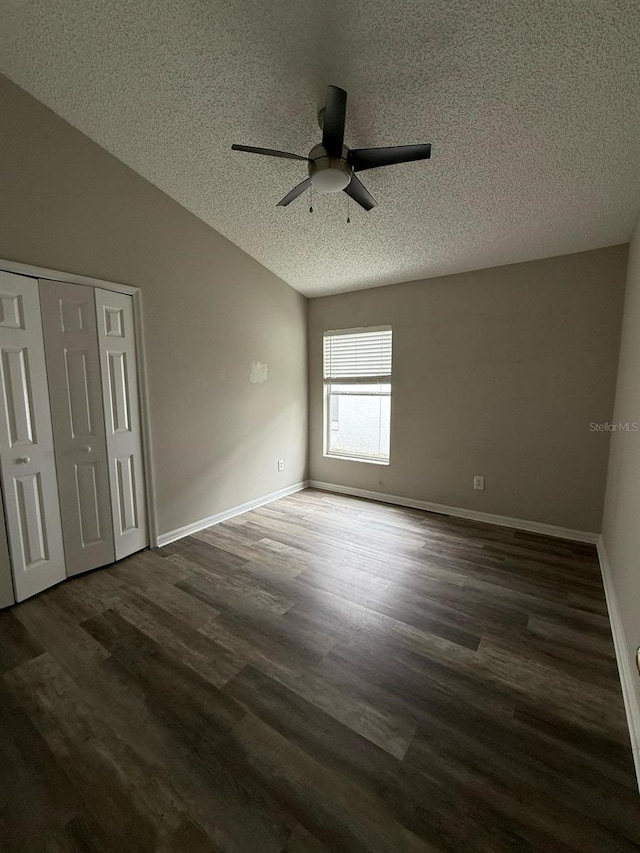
[533,110]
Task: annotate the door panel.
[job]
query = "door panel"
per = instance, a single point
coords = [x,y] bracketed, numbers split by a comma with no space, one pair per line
[6,583]
[78,392]
[26,442]
[125,468]
[73,366]
[87,489]
[19,411]
[124,438]
[30,502]
[119,391]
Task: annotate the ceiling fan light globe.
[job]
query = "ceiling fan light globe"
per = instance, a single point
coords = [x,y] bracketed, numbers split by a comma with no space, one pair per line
[330,180]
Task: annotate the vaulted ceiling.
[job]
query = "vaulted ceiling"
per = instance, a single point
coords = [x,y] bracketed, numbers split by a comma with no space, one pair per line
[533,111]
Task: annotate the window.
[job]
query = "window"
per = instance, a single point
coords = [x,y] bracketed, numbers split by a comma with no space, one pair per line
[357,386]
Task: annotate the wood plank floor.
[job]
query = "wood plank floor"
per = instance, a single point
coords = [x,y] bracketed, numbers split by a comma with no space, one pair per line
[323,673]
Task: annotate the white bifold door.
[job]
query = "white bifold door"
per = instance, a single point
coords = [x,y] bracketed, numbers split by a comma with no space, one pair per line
[117,343]
[70,434]
[29,482]
[73,367]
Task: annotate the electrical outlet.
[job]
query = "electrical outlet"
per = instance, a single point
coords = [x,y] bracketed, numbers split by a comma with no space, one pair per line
[280,464]
[478,482]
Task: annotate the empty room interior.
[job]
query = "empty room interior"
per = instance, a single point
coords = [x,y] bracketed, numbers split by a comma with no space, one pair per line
[320,426]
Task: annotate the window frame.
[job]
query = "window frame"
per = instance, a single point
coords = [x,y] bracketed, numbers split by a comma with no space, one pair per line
[353,380]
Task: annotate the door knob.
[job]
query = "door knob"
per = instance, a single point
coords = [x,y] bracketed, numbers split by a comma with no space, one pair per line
[23,460]
[87,448]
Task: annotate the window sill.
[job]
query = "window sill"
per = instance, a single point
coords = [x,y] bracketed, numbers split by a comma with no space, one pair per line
[356,459]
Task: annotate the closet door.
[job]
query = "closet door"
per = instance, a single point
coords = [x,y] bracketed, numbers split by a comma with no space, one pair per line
[6,584]
[116,340]
[73,367]
[26,442]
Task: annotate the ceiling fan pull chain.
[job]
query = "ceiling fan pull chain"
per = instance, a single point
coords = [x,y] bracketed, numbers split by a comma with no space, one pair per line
[311,205]
[348,216]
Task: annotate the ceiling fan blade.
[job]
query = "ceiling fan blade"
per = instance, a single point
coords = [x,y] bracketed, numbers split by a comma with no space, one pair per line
[334,117]
[372,158]
[294,193]
[270,152]
[360,193]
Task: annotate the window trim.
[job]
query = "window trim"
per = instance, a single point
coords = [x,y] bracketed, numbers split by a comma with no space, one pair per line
[386,379]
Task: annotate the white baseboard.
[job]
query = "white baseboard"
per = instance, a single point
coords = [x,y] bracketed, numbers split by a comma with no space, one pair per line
[471,514]
[194,527]
[625,668]
[442,509]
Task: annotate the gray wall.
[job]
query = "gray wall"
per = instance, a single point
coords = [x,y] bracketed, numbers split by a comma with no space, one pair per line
[210,309]
[497,372]
[621,525]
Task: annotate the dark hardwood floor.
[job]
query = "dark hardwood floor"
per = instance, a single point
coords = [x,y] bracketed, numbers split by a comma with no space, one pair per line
[323,673]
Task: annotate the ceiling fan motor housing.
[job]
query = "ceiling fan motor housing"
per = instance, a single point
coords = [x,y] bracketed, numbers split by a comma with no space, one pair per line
[329,174]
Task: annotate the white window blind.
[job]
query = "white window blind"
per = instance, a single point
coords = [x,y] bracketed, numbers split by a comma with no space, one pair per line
[353,355]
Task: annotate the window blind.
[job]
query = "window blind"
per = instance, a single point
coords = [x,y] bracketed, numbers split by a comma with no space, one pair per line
[356,355]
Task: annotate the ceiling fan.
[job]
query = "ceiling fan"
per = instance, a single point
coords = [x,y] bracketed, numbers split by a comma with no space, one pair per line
[332,166]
